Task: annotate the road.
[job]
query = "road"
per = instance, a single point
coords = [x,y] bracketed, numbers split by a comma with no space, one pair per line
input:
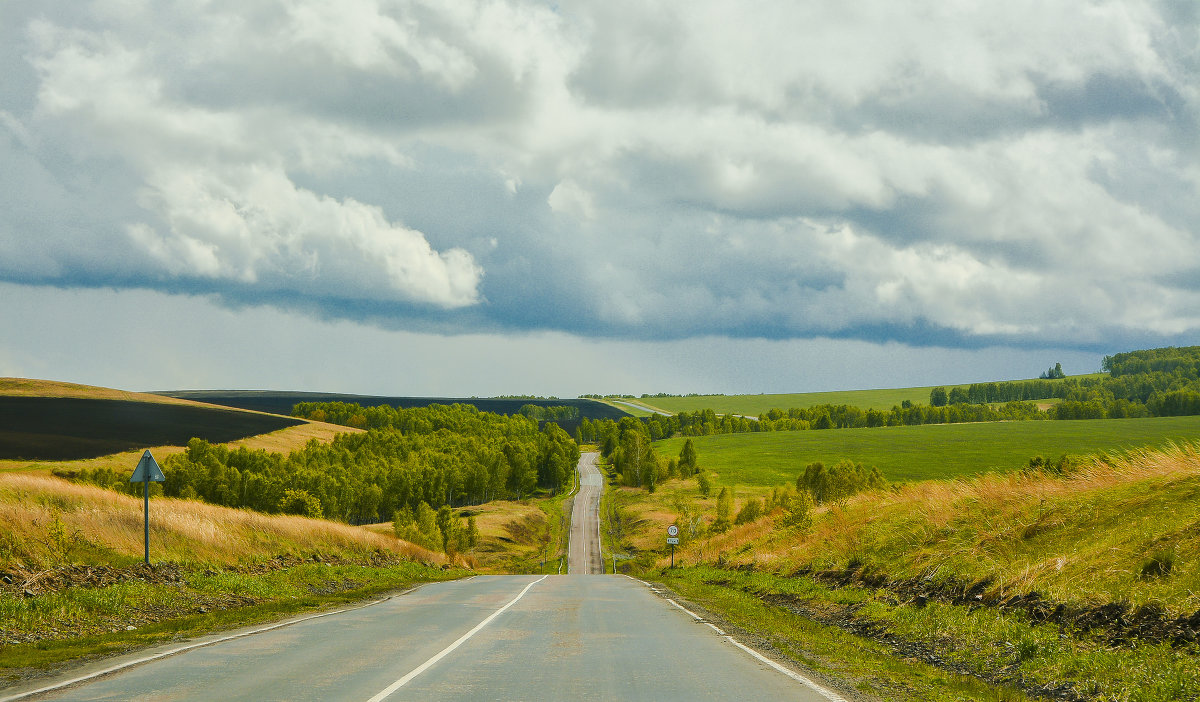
[584,556]
[643,408]
[565,637]
[506,637]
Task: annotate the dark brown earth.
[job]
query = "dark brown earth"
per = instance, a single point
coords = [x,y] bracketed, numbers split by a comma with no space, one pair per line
[1114,624]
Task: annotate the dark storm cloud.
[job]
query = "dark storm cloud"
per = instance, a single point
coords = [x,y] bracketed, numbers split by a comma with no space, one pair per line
[925,174]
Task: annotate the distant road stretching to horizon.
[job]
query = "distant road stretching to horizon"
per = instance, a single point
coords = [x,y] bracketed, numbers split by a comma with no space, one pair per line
[509,637]
[584,556]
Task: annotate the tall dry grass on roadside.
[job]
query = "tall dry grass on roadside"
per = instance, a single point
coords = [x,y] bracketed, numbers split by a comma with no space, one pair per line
[45,521]
[1090,534]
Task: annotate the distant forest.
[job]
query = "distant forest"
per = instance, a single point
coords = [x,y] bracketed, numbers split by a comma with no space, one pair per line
[1151,383]
[438,455]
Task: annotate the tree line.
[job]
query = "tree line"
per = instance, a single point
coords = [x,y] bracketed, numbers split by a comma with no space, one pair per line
[1150,383]
[708,422]
[445,455]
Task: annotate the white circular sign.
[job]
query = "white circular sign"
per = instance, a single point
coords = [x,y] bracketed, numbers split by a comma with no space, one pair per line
[672,530]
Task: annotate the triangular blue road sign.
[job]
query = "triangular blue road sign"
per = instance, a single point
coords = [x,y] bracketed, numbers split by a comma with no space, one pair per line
[147,470]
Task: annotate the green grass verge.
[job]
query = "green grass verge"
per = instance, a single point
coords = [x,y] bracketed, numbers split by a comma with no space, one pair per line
[924,452]
[103,613]
[934,652]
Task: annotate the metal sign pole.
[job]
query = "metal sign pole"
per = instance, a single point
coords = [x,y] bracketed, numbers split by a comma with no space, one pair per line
[146,512]
[147,471]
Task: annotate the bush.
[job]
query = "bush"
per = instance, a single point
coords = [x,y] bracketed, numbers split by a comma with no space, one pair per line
[300,502]
[838,482]
[798,513]
[751,511]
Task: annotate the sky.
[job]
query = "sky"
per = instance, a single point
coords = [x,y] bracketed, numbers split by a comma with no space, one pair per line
[481,198]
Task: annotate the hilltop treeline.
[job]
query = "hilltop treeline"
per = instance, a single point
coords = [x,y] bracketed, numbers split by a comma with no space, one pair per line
[1154,383]
[439,455]
[1151,383]
[705,422]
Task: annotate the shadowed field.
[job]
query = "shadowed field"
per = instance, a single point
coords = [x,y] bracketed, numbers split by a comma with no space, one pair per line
[65,428]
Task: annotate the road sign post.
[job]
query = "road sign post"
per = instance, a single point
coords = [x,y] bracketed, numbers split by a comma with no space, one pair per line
[147,471]
[672,541]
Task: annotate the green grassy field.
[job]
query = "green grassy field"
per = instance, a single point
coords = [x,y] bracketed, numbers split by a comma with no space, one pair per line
[924,452]
[755,405]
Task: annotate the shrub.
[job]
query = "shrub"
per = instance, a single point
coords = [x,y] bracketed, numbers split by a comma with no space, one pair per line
[838,482]
[751,511]
[1159,564]
[798,513]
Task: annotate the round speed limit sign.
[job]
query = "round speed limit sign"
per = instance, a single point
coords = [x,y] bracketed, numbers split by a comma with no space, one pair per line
[672,530]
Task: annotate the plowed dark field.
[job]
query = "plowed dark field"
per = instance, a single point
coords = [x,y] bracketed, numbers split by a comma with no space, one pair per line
[283,402]
[59,429]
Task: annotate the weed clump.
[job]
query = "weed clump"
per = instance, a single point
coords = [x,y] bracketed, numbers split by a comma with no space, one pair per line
[1159,564]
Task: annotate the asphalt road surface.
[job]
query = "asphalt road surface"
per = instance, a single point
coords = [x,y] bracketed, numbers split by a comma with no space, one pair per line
[509,637]
[485,638]
[584,557]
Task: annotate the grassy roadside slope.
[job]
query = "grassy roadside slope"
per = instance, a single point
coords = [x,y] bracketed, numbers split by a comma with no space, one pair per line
[72,583]
[1004,586]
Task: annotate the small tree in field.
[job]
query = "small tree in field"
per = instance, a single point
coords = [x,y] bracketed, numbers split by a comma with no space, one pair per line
[687,459]
[704,484]
[724,510]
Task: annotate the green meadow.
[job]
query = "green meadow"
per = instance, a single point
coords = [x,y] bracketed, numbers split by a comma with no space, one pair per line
[925,452]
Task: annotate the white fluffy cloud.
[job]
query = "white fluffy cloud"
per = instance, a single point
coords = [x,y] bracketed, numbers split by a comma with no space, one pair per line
[936,173]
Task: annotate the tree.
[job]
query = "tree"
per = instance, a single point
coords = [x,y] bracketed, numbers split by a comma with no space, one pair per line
[447,525]
[938,397]
[705,484]
[472,532]
[687,459]
[300,502]
[724,509]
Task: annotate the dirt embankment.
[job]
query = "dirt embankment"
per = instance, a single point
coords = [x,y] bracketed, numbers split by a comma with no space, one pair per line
[1115,623]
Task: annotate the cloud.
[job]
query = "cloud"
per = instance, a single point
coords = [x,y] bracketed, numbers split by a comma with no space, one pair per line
[925,173]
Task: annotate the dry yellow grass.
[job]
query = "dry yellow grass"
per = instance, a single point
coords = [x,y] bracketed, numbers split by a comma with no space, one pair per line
[30,387]
[294,438]
[97,520]
[1082,536]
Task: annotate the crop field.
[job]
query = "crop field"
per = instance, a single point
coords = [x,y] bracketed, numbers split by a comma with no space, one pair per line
[58,428]
[283,402]
[924,452]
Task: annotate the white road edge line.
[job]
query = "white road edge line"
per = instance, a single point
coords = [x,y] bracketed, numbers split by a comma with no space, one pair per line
[189,647]
[819,689]
[599,541]
[383,694]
